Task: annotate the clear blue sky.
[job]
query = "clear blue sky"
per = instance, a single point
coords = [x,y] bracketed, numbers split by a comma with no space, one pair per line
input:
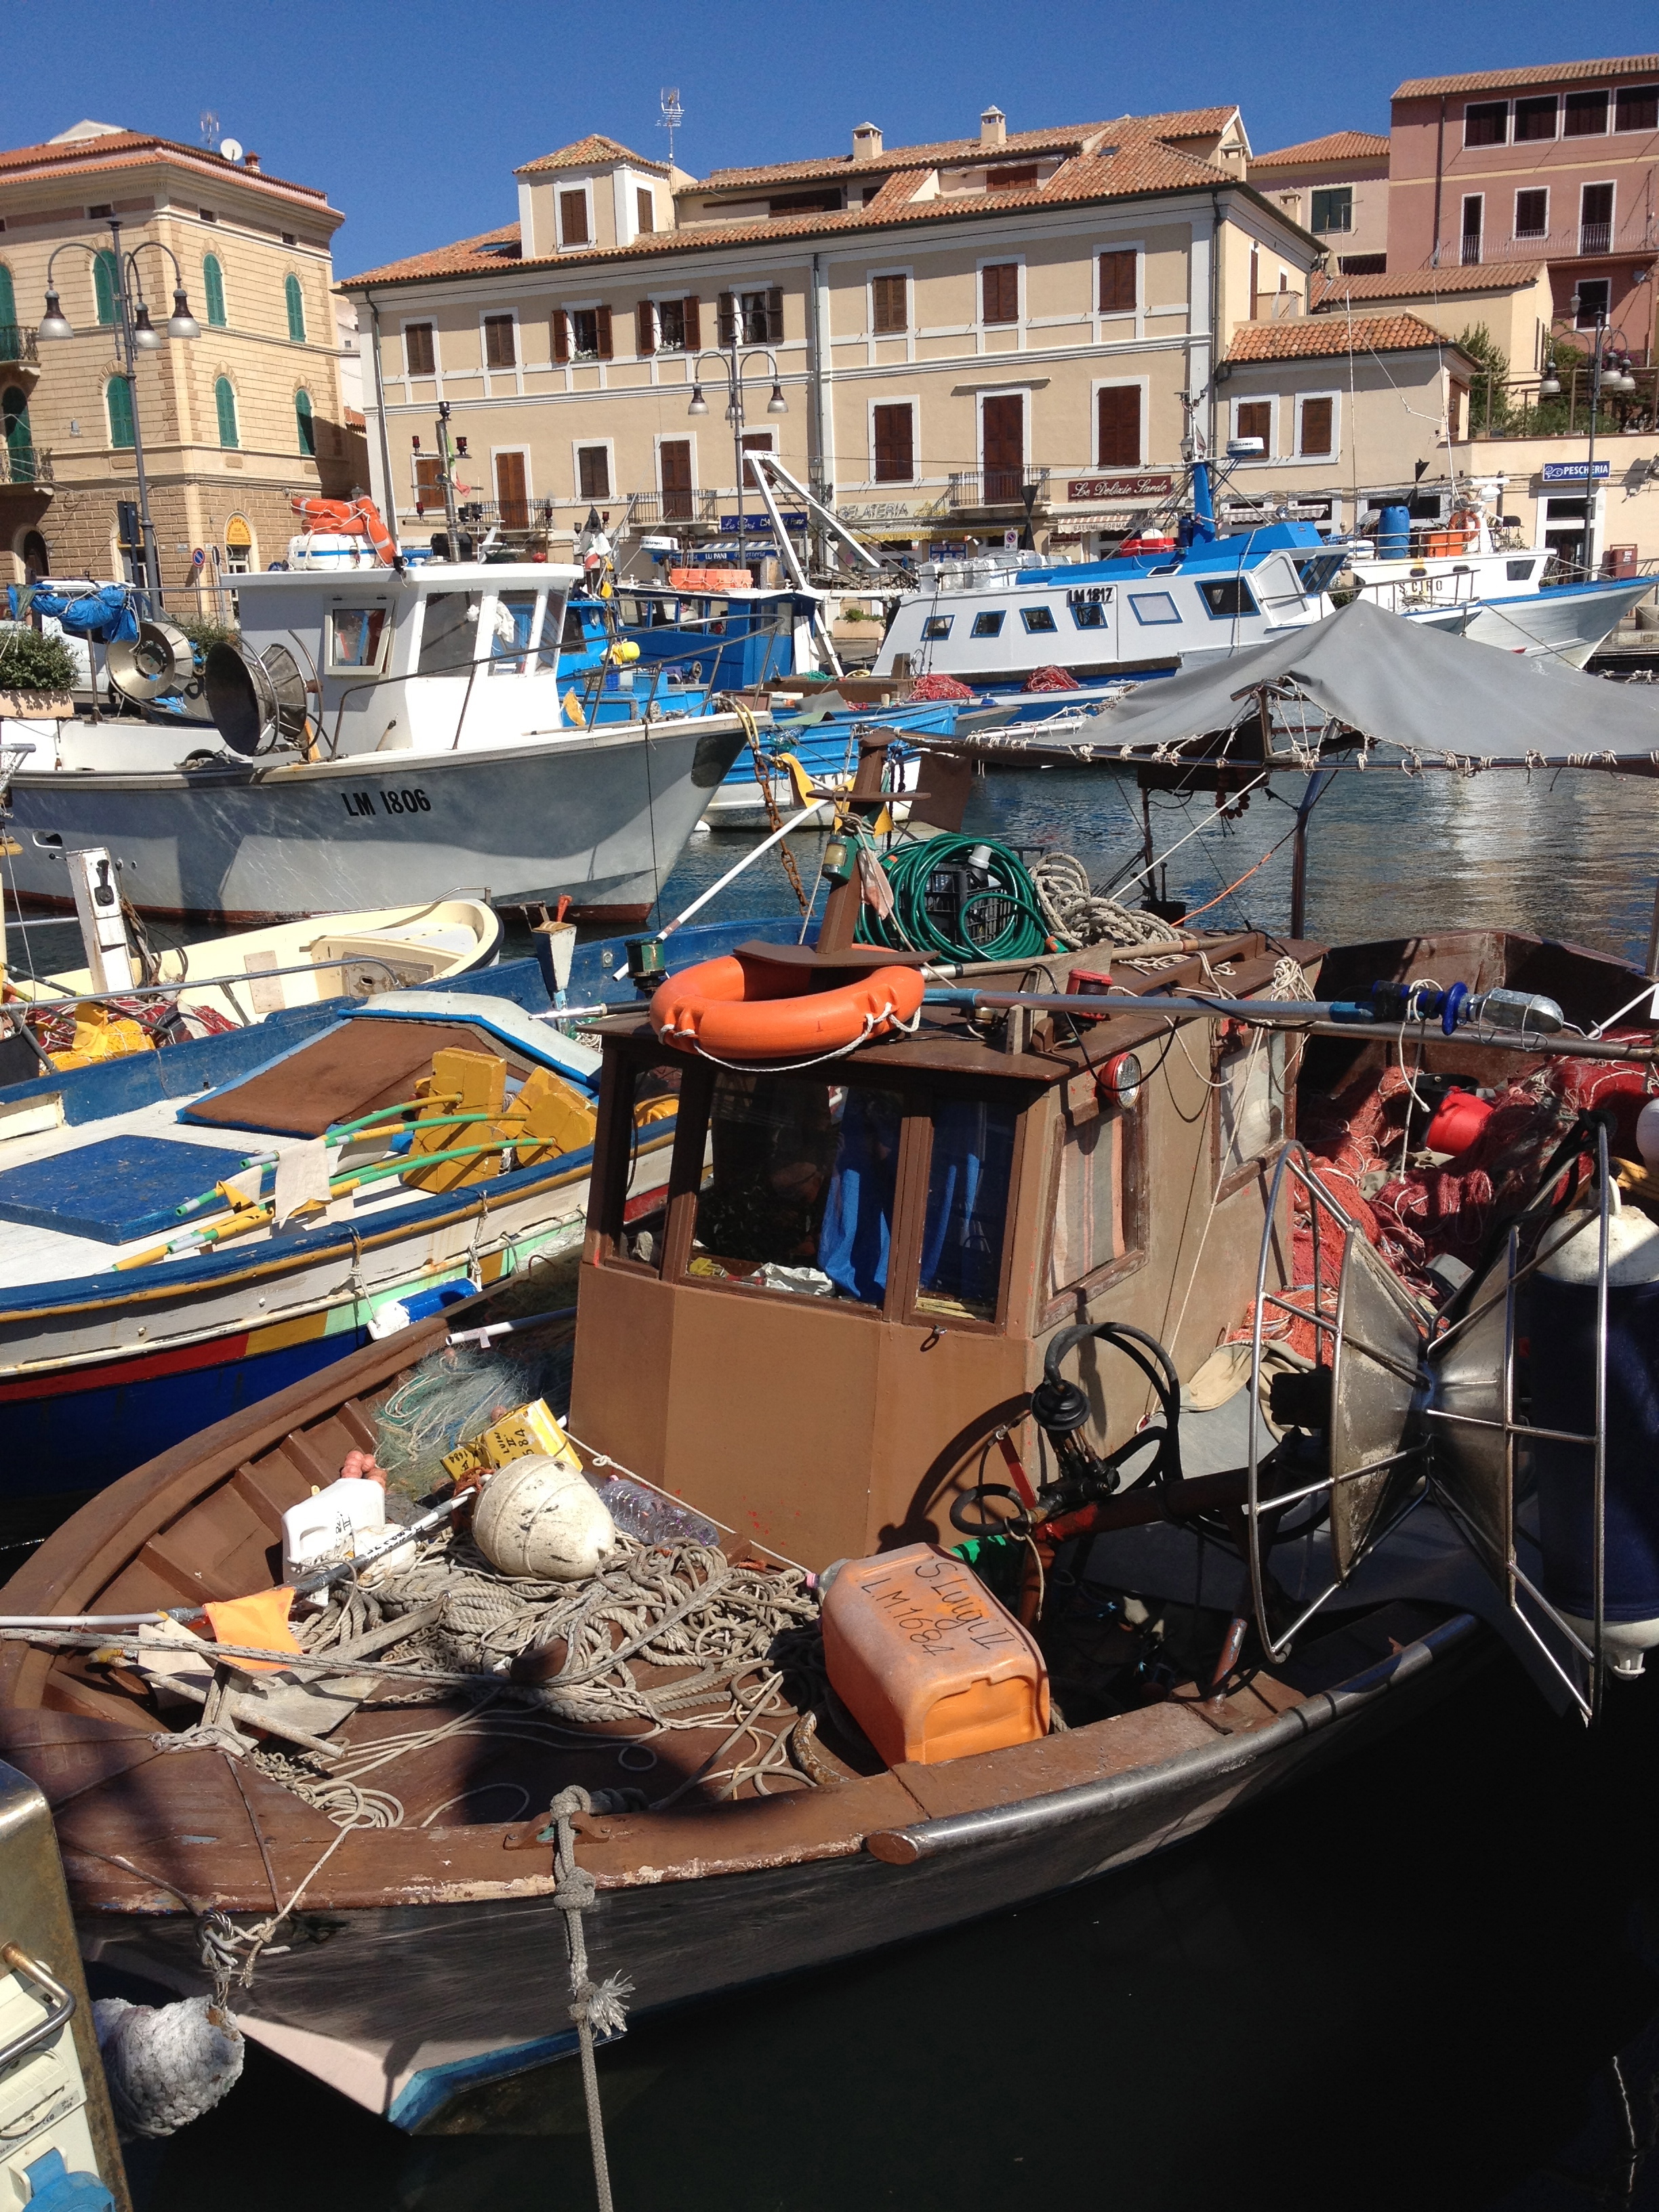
[412,114]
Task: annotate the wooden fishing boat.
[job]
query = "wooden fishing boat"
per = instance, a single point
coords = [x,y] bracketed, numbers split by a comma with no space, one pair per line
[847,1322]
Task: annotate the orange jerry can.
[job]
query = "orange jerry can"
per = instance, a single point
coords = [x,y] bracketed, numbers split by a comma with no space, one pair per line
[927,1662]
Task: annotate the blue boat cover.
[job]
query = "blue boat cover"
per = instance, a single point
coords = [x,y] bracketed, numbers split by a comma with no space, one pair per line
[105,615]
[115,1188]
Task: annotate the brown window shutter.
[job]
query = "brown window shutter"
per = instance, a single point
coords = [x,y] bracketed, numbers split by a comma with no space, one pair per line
[602,329]
[895,442]
[1001,292]
[726,323]
[560,334]
[694,326]
[1317,424]
[775,314]
[1117,283]
[572,218]
[889,303]
[645,317]
[1120,427]
[417,348]
[1256,420]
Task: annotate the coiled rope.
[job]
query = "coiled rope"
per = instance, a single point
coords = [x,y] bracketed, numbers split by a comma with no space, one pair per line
[1076,916]
[910,928]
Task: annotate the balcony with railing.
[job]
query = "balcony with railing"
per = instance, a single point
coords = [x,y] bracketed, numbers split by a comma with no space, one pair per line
[1573,241]
[24,467]
[984,489]
[18,346]
[623,512]
[1516,407]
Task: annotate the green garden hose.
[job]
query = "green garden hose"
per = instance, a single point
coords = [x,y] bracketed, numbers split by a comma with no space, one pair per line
[910,927]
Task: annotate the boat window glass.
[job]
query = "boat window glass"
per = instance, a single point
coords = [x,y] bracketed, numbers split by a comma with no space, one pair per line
[1250,1094]
[1319,573]
[449,630]
[514,627]
[988,625]
[652,1110]
[357,638]
[1087,1231]
[1517,571]
[1037,619]
[575,632]
[1090,614]
[1154,607]
[797,1186]
[968,1176]
[938,626]
[1229,595]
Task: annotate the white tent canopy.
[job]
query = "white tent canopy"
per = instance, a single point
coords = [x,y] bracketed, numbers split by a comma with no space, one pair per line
[1364,675]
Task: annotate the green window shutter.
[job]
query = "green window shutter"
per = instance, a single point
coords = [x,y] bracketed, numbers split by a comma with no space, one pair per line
[303,416]
[7,297]
[224,399]
[213,283]
[117,398]
[104,284]
[297,309]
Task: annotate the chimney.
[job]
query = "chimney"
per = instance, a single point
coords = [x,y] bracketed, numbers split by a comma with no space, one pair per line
[251,161]
[866,142]
[993,128]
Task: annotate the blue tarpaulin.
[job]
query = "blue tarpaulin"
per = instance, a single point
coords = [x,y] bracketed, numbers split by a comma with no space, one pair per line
[105,615]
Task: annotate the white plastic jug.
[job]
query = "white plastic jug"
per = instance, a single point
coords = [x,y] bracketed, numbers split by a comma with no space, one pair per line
[333,1525]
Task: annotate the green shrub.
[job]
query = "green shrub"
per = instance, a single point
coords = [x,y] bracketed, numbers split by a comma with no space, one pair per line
[30,662]
[205,635]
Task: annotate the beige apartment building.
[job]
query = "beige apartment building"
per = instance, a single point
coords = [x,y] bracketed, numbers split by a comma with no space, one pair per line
[233,424]
[1336,186]
[950,327]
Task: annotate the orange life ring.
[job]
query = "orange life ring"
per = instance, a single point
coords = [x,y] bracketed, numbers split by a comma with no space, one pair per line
[737,1010]
[349,518]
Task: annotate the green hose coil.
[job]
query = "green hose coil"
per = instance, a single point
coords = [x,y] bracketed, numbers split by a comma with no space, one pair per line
[910,927]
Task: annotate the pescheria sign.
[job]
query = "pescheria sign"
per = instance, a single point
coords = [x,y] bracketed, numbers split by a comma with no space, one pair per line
[1575,471]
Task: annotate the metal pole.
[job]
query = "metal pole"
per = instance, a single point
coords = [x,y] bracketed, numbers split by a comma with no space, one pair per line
[1317,781]
[1589,485]
[452,510]
[733,374]
[129,357]
[386,439]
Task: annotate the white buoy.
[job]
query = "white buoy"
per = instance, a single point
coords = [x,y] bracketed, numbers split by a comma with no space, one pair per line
[166,2065]
[540,1519]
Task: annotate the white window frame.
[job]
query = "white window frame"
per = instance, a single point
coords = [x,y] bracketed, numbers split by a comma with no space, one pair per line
[493,374]
[1098,314]
[1614,127]
[1113,384]
[1590,185]
[909,330]
[570,309]
[580,445]
[427,322]
[1256,399]
[658,300]
[1515,219]
[1463,230]
[1020,391]
[585,186]
[1299,400]
[913,401]
[1346,230]
[1560,119]
[529,476]
[687,437]
[346,602]
[979,326]
[1508,107]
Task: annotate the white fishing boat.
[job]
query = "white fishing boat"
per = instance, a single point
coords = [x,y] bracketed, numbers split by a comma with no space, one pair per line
[380,735]
[257,972]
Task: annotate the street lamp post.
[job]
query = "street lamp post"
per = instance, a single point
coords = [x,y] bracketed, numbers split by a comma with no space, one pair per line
[137,334]
[735,370]
[1617,377]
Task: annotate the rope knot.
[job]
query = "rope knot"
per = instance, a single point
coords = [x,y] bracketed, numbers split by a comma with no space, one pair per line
[576,1891]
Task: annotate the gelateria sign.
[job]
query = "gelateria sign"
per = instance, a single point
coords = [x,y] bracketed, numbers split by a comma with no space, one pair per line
[1136,485]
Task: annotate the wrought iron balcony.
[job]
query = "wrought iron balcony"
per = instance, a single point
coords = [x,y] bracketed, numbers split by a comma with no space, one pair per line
[18,346]
[24,465]
[989,488]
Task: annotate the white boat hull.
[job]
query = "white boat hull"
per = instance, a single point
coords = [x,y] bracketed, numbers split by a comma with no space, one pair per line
[602,817]
[1567,624]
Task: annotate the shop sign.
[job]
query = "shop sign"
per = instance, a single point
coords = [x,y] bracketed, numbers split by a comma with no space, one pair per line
[1575,471]
[1136,486]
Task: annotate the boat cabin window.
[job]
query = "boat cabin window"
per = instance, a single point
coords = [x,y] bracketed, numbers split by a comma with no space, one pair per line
[1087,1232]
[938,626]
[1319,573]
[515,624]
[653,1111]
[449,632]
[1037,619]
[1089,614]
[797,1184]
[1249,1096]
[358,641]
[1154,607]
[970,1172]
[1518,572]
[987,625]
[1229,596]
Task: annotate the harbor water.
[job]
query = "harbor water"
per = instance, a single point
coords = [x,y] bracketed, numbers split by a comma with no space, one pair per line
[1428,1977]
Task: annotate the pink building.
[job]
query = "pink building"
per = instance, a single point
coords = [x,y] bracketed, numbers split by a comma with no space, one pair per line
[1557,164]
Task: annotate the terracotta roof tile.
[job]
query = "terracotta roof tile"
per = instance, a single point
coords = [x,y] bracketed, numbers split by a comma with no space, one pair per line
[1329,292]
[1546,73]
[127,149]
[583,152]
[1331,334]
[1063,139]
[1335,146]
[1143,165]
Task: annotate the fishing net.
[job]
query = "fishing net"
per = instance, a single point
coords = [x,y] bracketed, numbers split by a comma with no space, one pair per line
[458,1393]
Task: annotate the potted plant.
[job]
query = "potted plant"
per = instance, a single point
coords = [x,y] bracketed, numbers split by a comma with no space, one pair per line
[37,675]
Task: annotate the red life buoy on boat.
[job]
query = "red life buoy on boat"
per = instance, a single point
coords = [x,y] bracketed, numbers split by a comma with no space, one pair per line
[735,1010]
[348,518]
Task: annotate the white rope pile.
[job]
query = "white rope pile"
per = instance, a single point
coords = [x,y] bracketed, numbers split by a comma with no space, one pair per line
[1078,916]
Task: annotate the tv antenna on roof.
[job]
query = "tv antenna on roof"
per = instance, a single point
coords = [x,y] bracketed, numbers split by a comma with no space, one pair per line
[210,125]
[672,116]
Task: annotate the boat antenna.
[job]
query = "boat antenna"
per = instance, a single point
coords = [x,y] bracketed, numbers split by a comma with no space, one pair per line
[672,116]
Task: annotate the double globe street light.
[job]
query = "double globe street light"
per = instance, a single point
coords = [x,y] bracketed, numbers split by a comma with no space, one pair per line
[137,334]
[735,369]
